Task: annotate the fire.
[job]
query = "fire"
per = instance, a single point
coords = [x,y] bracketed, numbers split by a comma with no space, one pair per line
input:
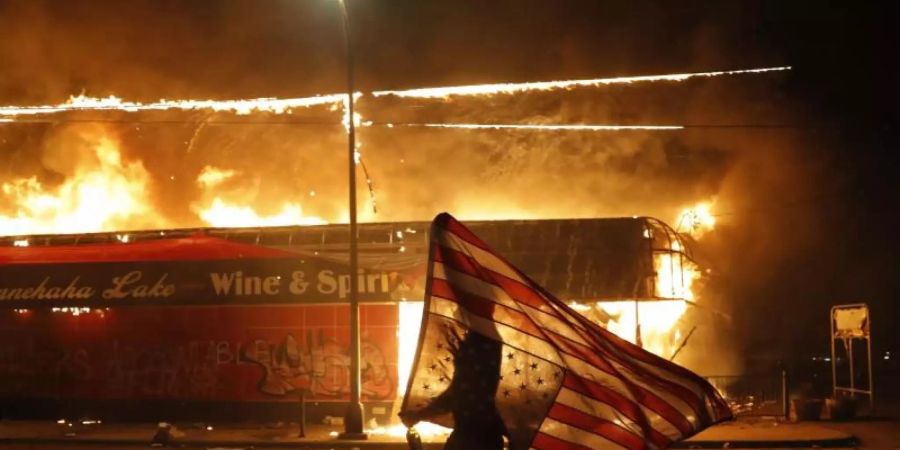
[660,318]
[514,88]
[542,127]
[283,106]
[101,193]
[410,321]
[407,338]
[211,176]
[113,103]
[223,214]
[675,274]
[658,322]
[425,430]
[219,212]
[696,220]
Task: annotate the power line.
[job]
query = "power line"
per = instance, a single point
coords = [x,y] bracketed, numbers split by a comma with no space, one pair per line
[171,122]
[432,125]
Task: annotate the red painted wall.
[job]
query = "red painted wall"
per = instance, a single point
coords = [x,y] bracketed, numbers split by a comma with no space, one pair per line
[209,353]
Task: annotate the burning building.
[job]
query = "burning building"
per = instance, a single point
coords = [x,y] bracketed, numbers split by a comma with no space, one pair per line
[236,323]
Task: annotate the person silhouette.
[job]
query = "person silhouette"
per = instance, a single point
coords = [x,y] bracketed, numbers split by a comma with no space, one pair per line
[470,397]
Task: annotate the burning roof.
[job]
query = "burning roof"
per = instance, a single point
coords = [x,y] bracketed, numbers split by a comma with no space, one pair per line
[578,259]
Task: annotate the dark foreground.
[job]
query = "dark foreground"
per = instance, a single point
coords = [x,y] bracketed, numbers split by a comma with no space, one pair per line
[740,434]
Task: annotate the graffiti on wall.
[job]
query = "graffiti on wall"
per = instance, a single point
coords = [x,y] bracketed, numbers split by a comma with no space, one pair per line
[213,354]
[319,366]
[180,371]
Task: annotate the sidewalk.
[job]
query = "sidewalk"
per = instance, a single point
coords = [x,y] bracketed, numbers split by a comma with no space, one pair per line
[52,434]
[762,433]
[30,434]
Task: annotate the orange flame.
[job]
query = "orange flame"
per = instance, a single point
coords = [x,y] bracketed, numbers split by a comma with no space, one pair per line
[282,106]
[696,220]
[113,103]
[513,88]
[541,127]
[218,211]
[104,193]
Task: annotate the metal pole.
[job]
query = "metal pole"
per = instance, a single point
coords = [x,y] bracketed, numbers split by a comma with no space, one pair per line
[353,419]
[834,381]
[637,325]
[785,394]
[871,386]
[848,344]
[302,413]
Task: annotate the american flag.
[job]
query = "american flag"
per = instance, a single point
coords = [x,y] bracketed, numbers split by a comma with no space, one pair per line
[498,352]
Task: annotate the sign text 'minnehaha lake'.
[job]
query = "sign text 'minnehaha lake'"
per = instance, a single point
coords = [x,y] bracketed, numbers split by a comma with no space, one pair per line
[193,282]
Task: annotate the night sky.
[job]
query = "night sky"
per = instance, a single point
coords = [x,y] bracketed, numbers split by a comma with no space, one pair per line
[801,161]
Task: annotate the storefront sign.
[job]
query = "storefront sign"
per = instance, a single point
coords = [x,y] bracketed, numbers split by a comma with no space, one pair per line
[233,281]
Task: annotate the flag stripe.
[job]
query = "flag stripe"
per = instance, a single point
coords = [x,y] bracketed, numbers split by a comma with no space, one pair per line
[612,394]
[640,393]
[535,341]
[694,385]
[519,338]
[485,308]
[496,330]
[544,441]
[555,428]
[468,265]
[661,430]
[648,380]
[646,357]
[713,407]
[461,232]
[603,410]
[553,323]
[484,258]
[474,285]
[646,407]
[600,369]
[596,425]
[517,321]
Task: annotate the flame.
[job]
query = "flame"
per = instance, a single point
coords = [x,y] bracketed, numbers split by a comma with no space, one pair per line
[283,106]
[658,319]
[211,176]
[229,207]
[102,194]
[410,322]
[513,88]
[408,338]
[696,220]
[223,214]
[113,103]
[425,430]
[541,127]
[675,274]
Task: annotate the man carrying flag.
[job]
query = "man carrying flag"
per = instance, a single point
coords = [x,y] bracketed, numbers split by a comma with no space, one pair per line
[500,356]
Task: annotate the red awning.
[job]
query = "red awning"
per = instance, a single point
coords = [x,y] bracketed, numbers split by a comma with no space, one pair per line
[198,247]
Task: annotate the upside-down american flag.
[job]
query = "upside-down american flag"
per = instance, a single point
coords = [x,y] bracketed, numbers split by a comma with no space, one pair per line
[497,349]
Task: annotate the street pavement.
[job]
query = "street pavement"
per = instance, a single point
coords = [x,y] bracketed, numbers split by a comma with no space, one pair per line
[756,433]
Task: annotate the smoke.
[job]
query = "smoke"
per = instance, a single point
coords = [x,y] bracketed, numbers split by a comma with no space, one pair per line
[761,179]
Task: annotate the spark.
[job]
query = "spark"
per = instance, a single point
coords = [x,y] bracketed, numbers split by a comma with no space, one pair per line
[512,88]
[541,127]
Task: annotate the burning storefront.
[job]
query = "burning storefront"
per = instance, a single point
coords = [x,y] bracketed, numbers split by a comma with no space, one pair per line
[234,324]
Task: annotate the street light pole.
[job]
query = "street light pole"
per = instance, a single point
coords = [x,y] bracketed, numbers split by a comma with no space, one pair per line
[353,419]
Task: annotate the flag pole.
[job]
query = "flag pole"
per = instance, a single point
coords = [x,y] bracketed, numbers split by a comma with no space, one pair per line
[354,418]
